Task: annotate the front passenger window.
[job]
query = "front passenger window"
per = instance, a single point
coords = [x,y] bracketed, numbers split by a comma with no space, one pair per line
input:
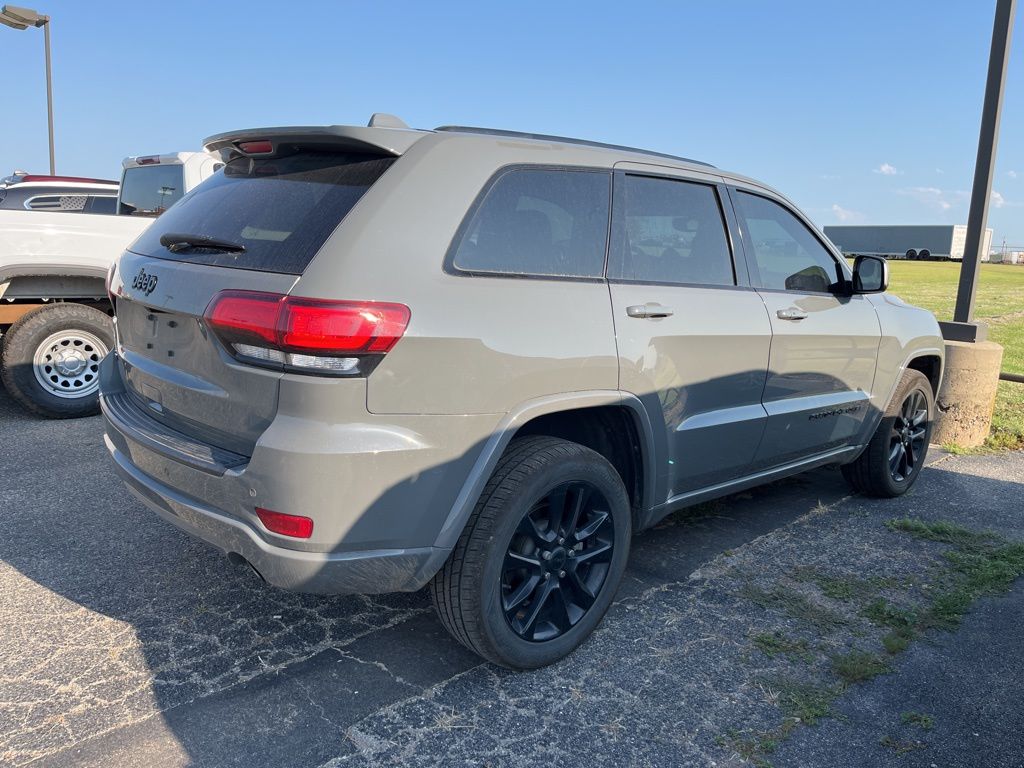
[787,255]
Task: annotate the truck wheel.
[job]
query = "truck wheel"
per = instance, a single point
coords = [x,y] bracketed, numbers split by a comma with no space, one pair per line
[541,557]
[894,457]
[51,359]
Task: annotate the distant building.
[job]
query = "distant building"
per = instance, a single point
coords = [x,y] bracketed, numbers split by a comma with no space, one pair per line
[939,241]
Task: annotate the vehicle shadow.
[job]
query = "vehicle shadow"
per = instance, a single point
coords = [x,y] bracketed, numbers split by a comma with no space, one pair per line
[128,641]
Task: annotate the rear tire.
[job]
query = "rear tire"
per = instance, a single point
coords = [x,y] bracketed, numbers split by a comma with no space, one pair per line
[51,359]
[541,556]
[893,459]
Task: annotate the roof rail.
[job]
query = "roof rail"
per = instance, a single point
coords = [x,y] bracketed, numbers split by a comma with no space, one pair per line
[563,140]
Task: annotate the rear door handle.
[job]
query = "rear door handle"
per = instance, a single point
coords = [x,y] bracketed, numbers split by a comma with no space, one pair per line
[651,309]
[791,313]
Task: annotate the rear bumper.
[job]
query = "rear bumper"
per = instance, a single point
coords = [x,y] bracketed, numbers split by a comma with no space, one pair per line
[378,488]
[368,572]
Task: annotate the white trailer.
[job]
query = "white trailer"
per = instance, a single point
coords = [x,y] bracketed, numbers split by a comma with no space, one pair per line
[928,241]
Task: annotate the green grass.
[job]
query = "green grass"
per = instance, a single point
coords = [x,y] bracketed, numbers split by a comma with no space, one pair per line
[793,604]
[924,722]
[1000,303]
[900,747]
[980,563]
[859,666]
[773,644]
[969,565]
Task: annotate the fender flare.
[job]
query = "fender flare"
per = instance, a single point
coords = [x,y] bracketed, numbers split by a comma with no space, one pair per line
[507,428]
[914,353]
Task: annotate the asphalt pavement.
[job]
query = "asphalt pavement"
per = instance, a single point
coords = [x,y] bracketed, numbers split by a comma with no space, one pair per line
[123,642]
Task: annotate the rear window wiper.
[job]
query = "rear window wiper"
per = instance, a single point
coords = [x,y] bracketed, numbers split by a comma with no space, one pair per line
[174,241]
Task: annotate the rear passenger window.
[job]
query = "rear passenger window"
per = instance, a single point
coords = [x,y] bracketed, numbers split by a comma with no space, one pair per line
[669,231]
[101,204]
[538,222]
[788,256]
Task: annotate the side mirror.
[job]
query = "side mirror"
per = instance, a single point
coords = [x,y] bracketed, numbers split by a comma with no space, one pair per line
[870,274]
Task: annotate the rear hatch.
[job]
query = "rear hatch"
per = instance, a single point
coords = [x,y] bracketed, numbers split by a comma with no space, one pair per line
[252,227]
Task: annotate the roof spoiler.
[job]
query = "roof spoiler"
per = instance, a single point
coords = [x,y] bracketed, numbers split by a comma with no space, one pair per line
[345,137]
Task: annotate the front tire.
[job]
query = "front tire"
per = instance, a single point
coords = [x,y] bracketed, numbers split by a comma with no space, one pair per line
[895,456]
[51,359]
[541,556]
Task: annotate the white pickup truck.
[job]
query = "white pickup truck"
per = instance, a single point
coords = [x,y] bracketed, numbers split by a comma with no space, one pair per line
[54,311]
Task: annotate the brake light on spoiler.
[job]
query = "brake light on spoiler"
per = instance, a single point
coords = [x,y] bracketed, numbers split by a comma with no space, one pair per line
[333,338]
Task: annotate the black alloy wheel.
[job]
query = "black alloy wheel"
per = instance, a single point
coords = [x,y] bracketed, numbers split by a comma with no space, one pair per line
[557,561]
[907,441]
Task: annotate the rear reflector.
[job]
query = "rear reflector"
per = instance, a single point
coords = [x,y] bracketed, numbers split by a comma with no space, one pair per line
[315,335]
[296,526]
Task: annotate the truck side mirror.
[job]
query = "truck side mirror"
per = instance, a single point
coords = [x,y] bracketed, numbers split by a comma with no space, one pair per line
[870,274]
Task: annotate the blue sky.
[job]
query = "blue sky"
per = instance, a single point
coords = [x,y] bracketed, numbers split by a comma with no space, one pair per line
[860,112]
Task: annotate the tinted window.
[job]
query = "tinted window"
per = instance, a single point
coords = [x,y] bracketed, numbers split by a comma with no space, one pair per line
[280,209]
[101,204]
[788,256]
[74,203]
[149,190]
[669,232]
[539,222]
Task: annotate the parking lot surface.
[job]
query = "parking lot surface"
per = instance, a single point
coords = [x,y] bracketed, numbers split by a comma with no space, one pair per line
[126,643]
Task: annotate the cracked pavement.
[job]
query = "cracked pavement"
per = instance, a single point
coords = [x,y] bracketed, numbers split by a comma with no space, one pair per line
[126,643]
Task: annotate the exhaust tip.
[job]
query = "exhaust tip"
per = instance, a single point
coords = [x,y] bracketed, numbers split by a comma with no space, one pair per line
[236,559]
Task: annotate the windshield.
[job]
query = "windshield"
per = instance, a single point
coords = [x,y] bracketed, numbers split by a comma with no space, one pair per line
[280,209]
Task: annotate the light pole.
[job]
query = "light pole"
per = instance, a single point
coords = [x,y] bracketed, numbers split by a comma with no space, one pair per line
[963,327]
[23,18]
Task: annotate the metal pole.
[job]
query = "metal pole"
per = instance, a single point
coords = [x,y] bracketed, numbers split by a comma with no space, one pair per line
[1002,30]
[49,93]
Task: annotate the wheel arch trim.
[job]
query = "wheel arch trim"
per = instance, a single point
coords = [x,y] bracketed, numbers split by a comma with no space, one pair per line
[521,415]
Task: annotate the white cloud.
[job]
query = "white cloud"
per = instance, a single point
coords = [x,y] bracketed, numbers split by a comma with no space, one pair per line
[998,200]
[886,170]
[846,216]
[1012,174]
[933,197]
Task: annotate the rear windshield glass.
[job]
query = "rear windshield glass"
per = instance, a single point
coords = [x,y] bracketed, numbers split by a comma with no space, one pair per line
[149,190]
[281,210]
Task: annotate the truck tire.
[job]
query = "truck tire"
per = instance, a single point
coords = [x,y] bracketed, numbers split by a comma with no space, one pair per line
[893,459]
[541,556]
[51,359]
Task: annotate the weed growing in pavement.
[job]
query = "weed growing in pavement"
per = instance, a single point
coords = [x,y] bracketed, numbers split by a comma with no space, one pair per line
[793,604]
[900,747]
[859,666]
[924,722]
[844,587]
[804,701]
[976,563]
[751,746]
[773,644]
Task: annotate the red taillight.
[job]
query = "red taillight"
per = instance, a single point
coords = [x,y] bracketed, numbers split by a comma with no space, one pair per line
[256,147]
[150,160]
[246,316]
[341,327]
[312,334]
[296,526]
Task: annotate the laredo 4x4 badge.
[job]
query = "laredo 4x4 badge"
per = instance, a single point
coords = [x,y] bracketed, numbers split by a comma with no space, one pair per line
[144,282]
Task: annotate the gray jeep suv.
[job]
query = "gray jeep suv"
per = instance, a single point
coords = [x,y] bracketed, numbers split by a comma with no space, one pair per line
[369,359]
